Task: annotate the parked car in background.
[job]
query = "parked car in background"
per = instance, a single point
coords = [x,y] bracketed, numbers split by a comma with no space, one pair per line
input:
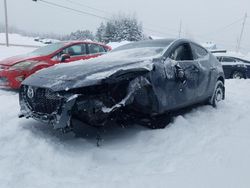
[37,39]
[15,69]
[49,41]
[140,82]
[234,67]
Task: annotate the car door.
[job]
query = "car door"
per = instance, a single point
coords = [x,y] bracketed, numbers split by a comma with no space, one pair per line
[206,76]
[95,50]
[184,91]
[229,66]
[74,52]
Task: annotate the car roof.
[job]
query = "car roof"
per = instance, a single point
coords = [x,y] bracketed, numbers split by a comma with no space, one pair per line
[80,41]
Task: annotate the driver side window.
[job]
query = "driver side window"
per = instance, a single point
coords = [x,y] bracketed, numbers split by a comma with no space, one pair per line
[182,53]
[75,50]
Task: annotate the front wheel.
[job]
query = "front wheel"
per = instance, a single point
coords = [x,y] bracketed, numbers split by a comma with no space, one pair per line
[218,95]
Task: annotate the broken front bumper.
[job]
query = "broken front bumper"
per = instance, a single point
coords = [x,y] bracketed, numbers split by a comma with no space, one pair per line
[58,109]
[59,117]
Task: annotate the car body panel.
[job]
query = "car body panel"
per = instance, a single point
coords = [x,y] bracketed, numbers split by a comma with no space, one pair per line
[112,86]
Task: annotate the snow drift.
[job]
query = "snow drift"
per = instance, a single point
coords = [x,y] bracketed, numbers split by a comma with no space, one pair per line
[205,147]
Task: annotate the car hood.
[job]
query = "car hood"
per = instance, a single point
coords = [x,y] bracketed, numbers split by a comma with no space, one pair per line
[87,73]
[16,59]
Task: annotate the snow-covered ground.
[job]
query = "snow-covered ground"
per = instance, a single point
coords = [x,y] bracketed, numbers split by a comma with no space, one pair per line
[13,50]
[203,148]
[20,40]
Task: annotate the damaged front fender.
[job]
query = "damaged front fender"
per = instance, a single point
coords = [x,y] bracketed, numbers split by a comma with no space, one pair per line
[98,110]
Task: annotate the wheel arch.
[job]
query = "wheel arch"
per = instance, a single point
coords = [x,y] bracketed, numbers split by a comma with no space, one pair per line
[221,78]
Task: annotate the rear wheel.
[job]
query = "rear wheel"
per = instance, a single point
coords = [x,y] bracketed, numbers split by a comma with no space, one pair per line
[237,75]
[219,94]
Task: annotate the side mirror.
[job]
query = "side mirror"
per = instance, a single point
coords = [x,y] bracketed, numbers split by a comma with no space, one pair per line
[64,57]
[180,73]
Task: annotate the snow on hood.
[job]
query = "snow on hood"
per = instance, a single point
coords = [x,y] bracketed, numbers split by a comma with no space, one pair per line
[133,55]
[86,73]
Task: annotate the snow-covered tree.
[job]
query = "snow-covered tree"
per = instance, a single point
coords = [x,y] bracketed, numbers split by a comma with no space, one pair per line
[100,33]
[80,35]
[120,28]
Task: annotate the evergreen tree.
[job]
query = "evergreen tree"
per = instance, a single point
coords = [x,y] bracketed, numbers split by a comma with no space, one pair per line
[120,28]
[100,33]
[80,35]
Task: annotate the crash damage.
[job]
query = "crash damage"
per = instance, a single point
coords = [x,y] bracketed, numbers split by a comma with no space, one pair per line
[137,83]
[93,105]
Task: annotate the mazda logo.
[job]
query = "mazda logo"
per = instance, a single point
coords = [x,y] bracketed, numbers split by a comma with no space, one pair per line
[30,93]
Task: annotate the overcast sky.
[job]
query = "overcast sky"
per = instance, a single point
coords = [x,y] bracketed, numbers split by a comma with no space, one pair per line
[202,20]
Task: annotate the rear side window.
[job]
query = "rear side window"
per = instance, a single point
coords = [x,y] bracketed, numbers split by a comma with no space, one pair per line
[95,49]
[198,51]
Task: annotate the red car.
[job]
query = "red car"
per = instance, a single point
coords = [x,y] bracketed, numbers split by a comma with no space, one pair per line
[15,69]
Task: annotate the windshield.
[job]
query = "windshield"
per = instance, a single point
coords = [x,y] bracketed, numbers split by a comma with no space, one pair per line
[49,49]
[136,53]
[142,49]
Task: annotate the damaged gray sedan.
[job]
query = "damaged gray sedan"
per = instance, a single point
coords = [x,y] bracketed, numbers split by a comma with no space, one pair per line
[139,82]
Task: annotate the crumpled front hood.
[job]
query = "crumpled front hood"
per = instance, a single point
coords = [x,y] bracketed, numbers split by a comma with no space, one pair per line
[85,73]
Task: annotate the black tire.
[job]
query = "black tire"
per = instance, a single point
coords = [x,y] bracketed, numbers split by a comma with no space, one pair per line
[218,95]
[237,75]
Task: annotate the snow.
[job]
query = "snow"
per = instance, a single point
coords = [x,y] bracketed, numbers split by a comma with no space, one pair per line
[12,51]
[114,45]
[205,147]
[20,40]
[209,45]
[234,54]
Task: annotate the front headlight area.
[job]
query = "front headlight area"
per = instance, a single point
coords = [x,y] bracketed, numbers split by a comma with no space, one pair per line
[24,65]
[92,102]
[19,69]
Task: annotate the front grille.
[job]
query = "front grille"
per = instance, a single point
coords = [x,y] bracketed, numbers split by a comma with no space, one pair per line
[42,101]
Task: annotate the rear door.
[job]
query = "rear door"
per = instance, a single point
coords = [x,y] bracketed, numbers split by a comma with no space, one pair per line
[95,50]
